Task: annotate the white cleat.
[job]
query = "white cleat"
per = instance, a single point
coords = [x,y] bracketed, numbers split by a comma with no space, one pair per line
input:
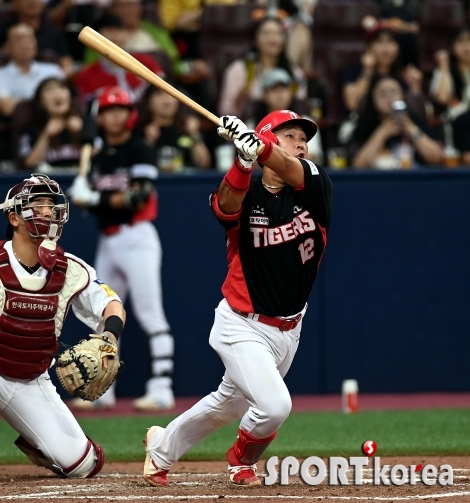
[152,474]
[150,402]
[79,404]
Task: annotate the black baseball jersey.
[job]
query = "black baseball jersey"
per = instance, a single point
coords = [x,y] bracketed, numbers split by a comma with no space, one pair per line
[114,169]
[276,245]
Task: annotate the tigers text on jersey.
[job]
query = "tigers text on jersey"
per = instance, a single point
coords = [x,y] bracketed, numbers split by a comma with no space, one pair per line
[114,169]
[275,248]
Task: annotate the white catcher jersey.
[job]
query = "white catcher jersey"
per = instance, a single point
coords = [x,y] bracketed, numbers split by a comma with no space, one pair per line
[89,304]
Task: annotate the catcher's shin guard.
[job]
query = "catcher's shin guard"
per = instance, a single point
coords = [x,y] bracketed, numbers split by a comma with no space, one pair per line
[87,466]
[247,449]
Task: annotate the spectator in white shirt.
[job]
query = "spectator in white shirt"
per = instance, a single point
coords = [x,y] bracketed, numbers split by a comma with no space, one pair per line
[22,75]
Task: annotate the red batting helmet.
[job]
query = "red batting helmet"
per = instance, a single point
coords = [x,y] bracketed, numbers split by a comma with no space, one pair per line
[117,96]
[272,121]
[22,194]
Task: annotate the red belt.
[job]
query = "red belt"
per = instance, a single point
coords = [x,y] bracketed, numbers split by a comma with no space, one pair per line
[282,324]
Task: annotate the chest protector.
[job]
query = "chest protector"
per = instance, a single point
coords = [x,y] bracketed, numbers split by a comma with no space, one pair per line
[31,320]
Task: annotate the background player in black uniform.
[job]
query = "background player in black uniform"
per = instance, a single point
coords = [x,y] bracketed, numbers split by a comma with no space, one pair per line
[123,196]
[276,229]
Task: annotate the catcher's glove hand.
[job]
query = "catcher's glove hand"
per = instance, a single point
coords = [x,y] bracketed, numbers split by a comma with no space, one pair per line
[80,368]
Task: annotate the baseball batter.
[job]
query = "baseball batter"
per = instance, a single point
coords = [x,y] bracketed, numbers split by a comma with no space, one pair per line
[38,282]
[129,253]
[276,230]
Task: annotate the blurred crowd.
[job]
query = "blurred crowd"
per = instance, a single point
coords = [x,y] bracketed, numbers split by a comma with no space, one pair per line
[387,81]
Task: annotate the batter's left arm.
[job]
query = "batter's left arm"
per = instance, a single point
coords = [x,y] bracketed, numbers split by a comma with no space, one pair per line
[229,202]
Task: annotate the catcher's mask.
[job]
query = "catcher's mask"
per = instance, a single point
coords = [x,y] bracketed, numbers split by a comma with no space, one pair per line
[20,198]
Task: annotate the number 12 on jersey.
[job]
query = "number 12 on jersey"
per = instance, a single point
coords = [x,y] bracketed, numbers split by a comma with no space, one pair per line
[306,250]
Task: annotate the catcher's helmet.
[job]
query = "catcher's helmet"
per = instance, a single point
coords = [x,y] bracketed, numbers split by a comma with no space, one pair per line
[21,195]
[117,96]
[274,120]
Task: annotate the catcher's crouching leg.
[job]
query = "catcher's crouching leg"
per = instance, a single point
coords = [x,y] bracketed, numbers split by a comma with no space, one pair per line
[87,466]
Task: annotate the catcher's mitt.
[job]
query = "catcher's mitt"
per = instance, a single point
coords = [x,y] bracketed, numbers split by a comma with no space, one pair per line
[80,368]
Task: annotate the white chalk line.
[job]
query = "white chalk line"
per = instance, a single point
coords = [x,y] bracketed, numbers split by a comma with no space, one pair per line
[235,496]
[70,491]
[201,475]
[172,475]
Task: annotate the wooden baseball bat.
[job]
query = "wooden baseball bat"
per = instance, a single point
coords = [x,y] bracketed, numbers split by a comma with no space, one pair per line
[120,57]
[85,156]
[89,132]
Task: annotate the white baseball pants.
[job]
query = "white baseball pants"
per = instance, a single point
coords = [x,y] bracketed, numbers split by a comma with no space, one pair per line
[35,410]
[256,358]
[130,263]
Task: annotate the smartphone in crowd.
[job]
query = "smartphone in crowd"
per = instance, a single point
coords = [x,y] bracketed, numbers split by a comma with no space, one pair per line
[398,107]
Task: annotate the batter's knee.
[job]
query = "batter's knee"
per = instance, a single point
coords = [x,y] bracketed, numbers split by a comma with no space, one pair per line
[277,409]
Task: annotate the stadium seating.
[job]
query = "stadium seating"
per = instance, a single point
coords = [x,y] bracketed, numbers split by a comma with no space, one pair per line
[225,25]
[338,41]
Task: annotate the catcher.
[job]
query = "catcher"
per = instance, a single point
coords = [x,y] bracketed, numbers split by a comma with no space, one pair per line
[38,282]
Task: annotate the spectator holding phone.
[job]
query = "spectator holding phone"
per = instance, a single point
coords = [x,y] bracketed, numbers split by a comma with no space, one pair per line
[387,136]
[382,57]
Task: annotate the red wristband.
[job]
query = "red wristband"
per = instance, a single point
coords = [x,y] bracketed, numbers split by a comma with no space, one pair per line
[268,148]
[238,178]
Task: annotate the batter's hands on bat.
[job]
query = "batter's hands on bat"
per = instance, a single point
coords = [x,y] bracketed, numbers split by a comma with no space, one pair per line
[230,127]
[81,194]
[247,145]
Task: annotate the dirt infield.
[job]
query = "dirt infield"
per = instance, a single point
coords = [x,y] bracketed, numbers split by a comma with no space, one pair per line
[208,481]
